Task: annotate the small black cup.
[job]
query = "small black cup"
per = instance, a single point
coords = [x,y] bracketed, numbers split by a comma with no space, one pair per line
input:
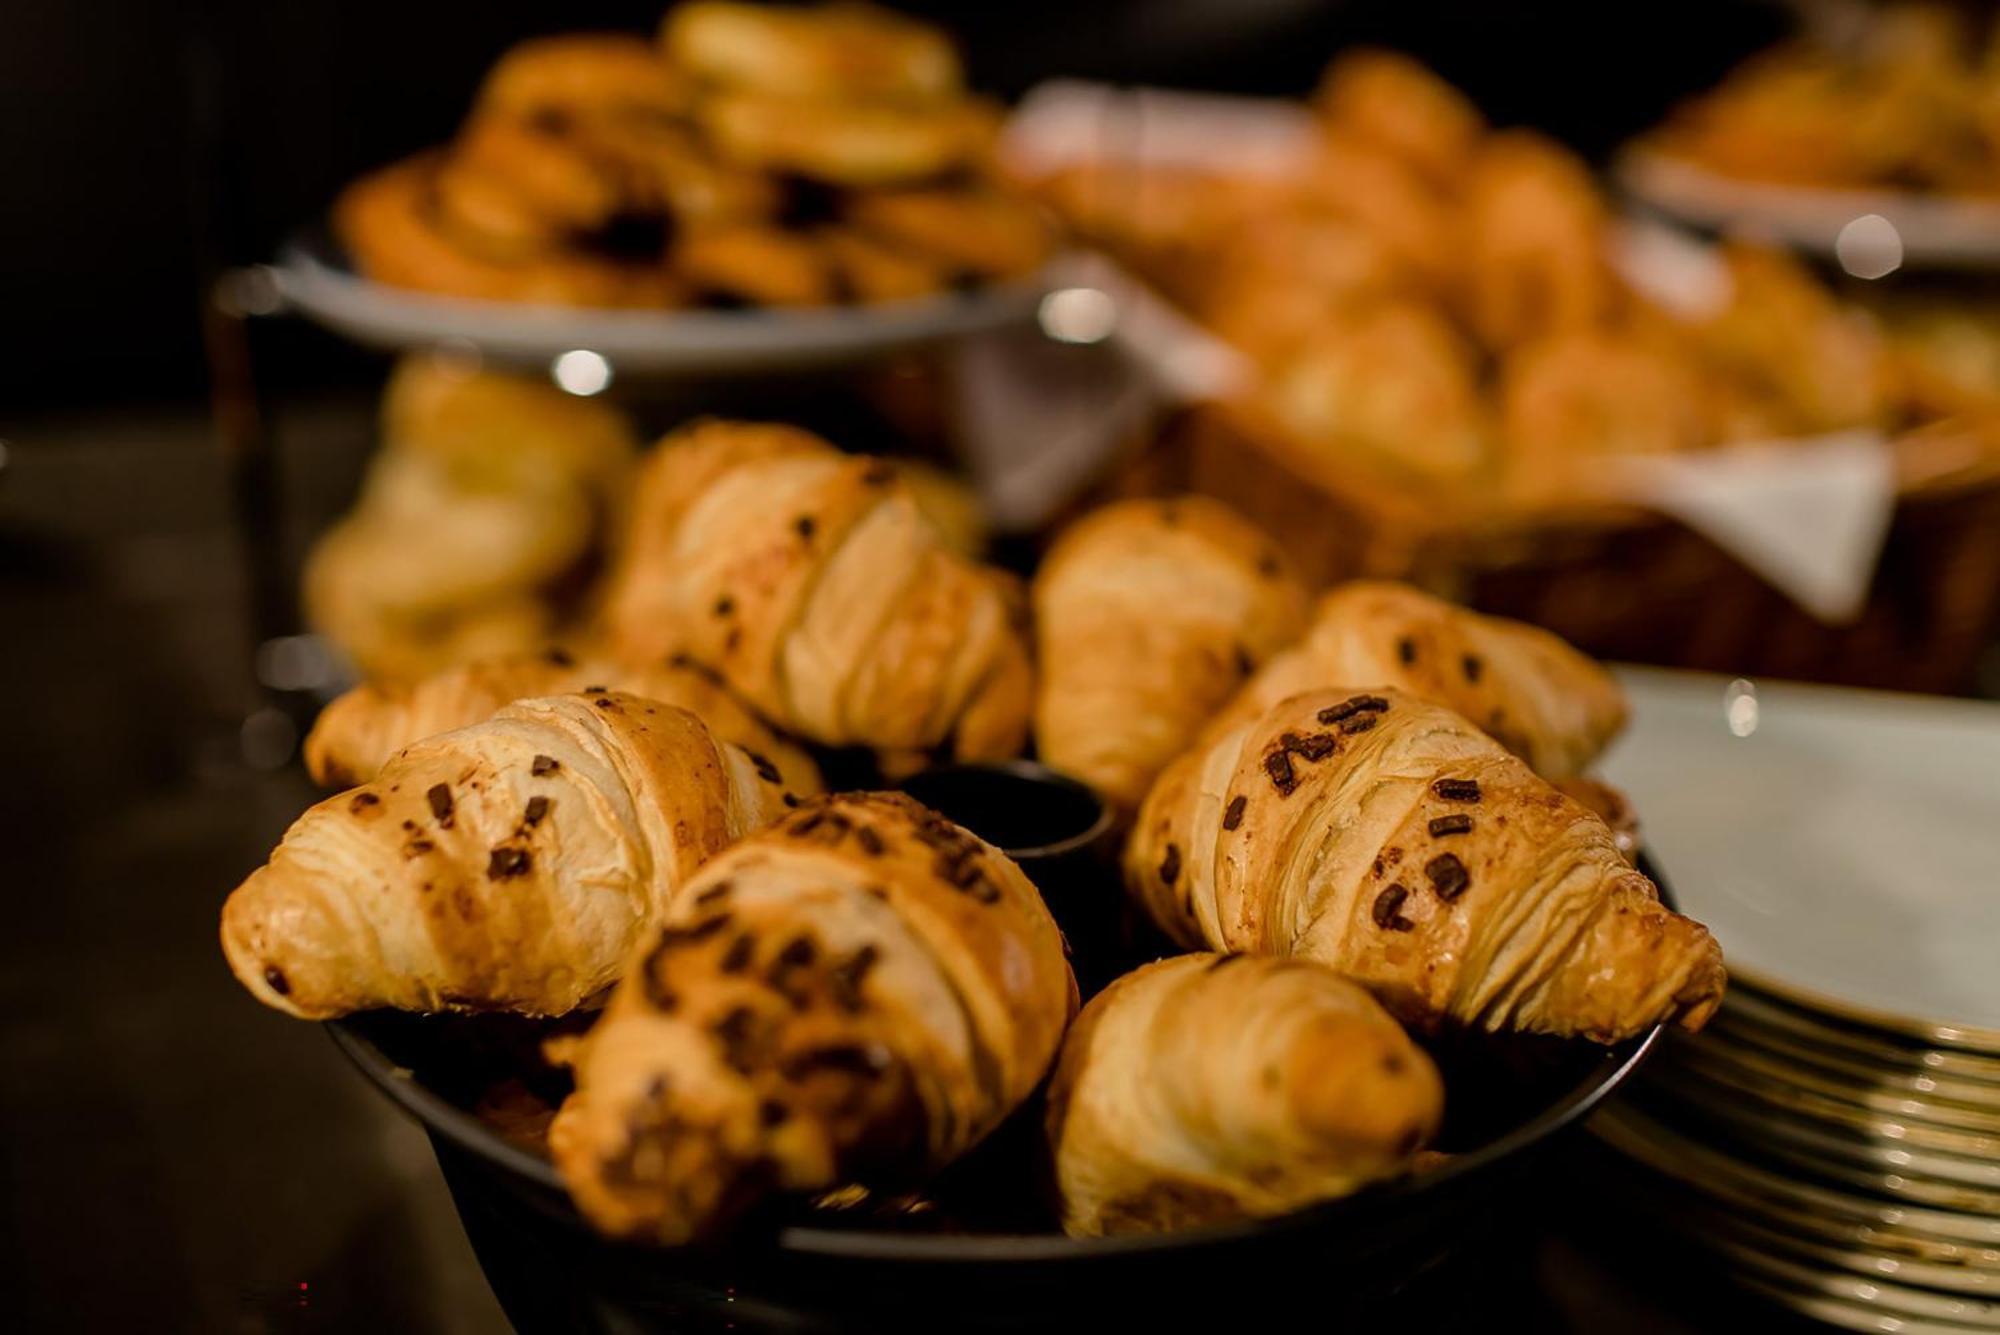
[1060,832]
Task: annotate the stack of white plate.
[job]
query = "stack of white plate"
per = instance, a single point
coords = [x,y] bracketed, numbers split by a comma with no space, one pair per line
[1833,1137]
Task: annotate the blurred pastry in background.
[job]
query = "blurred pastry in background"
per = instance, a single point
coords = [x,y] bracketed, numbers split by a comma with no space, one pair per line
[1394,382]
[478,523]
[1391,100]
[1535,258]
[736,161]
[1432,309]
[1907,98]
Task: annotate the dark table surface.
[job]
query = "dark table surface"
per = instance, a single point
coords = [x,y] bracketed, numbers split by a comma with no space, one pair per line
[179,1158]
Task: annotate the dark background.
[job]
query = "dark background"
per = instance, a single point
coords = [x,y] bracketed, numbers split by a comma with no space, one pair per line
[172,1157]
[146,143]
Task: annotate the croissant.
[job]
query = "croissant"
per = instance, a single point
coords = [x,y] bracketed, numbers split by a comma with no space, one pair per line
[357,733]
[1526,688]
[1213,1087]
[1148,615]
[505,866]
[1391,839]
[811,582]
[862,991]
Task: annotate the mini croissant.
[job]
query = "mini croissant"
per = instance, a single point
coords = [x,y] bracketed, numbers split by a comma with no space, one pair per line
[860,992]
[1214,1087]
[357,733]
[812,583]
[1527,689]
[1149,614]
[509,865]
[1392,840]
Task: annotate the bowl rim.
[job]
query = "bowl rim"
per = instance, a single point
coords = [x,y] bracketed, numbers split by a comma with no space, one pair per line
[1033,772]
[466,1132]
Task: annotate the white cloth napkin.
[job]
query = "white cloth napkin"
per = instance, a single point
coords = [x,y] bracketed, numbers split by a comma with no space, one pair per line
[1809,515]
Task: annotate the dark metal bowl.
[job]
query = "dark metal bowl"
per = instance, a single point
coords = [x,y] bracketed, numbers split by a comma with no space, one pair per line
[983,1267]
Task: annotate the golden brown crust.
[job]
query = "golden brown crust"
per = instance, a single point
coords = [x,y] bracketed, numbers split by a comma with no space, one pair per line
[1398,104]
[509,865]
[1149,614]
[835,51]
[811,582]
[1392,840]
[358,732]
[1215,1087]
[390,224]
[978,232]
[1530,691]
[862,991]
[859,144]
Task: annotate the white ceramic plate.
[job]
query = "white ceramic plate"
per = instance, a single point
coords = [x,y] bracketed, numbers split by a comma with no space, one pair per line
[1844,846]
[314,279]
[1935,229]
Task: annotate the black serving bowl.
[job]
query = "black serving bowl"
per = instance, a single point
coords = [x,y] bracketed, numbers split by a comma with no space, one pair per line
[981,1251]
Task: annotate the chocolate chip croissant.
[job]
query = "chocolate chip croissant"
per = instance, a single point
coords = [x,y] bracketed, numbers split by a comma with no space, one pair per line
[1527,689]
[1392,840]
[358,732]
[1214,1087]
[859,993]
[1148,615]
[813,584]
[509,865]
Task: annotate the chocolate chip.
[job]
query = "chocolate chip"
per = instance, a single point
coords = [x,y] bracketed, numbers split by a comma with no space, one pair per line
[677,935]
[595,690]
[733,641]
[798,952]
[737,1032]
[1406,650]
[1357,704]
[845,978]
[542,766]
[871,842]
[558,658]
[439,796]
[1473,666]
[1315,746]
[1232,815]
[806,824]
[1245,664]
[538,807]
[724,605]
[417,848]
[737,957]
[1448,876]
[1279,766]
[791,800]
[1170,865]
[1386,910]
[850,1058]
[362,801]
[805,525]
[1354,723]
[765,769]
[1457,790]
[504,864]
[276,978]
[606,702]
[1444,825]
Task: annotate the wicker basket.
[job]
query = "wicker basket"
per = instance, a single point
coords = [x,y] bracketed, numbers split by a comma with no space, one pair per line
[1622,582]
